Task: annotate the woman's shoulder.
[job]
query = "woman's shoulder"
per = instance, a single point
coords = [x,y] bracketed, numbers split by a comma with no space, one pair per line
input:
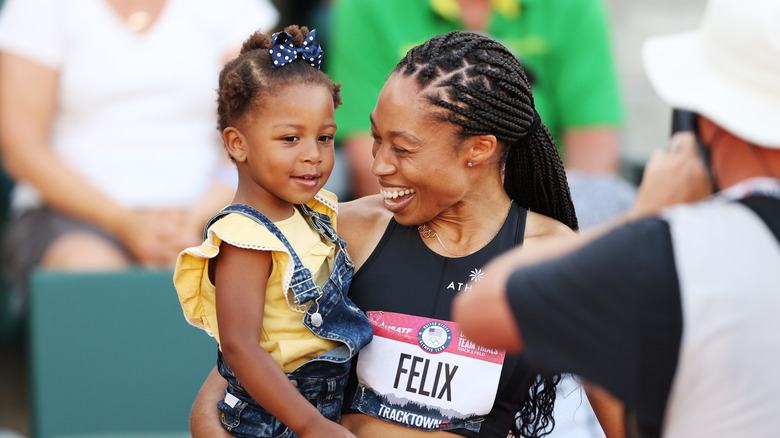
[364,211]
[362,222]
[538,225]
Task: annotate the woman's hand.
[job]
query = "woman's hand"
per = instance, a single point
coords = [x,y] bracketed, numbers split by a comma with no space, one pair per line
[325,427]
[204,417]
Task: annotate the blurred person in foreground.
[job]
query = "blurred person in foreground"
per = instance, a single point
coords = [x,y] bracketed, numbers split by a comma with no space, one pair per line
[674,312]
[106,126]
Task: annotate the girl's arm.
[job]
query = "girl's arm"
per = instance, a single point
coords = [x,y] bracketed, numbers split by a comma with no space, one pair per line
[241,277]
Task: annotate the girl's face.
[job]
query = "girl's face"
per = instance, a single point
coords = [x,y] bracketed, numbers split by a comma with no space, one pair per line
[288,155]
[421,171]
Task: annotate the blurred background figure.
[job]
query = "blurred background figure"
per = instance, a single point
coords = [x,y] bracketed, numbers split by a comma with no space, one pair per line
[107,127]
[108,131]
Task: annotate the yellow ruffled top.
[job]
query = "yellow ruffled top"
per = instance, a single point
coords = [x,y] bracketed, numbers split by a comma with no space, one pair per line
[284,336]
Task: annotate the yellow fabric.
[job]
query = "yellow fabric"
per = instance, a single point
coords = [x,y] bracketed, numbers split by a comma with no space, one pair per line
[284,336]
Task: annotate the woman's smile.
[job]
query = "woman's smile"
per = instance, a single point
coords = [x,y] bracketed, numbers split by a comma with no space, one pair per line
[397,198]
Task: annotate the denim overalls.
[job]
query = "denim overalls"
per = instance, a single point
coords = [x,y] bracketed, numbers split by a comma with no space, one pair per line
[329,315]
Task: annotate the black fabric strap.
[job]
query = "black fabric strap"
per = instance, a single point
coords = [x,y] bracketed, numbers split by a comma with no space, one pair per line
[768,209]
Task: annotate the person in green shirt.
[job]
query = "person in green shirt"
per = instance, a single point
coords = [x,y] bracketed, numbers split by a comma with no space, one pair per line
[564,44]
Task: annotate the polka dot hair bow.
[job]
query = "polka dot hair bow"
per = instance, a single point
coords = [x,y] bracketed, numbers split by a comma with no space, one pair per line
[283,52]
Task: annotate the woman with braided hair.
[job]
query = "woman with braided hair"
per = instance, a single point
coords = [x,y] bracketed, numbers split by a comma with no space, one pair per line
[467,171]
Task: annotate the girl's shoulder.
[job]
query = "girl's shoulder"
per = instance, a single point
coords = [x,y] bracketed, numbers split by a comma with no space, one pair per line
[326,203]
[242,231]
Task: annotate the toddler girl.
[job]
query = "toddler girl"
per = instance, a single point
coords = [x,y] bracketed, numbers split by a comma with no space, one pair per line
[270,280]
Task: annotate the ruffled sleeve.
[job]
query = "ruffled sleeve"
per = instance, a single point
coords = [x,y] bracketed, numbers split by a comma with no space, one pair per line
[191,279]
[326,203]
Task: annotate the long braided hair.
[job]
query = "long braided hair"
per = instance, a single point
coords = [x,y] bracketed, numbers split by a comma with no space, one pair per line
[484,90]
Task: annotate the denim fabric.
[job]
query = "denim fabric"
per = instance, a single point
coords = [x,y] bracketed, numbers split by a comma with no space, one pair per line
[320,382]
[321,379]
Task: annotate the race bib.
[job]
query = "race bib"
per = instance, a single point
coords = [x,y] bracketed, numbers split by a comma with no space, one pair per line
[423,373]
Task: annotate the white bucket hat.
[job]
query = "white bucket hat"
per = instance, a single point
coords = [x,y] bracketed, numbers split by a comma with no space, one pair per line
[728,70]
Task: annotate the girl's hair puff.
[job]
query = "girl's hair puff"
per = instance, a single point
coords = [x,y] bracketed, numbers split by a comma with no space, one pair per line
[248,80]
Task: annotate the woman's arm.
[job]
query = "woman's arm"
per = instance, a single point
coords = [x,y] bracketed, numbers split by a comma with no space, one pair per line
[241,277]
[362,223]
[204,418]
[609,410]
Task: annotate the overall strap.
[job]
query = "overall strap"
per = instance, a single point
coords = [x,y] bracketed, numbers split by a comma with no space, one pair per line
[302,285]
[321,223]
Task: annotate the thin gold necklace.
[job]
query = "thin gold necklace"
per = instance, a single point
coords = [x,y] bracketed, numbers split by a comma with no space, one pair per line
[427,232]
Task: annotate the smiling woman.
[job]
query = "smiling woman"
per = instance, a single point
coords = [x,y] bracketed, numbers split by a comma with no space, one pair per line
[467,171]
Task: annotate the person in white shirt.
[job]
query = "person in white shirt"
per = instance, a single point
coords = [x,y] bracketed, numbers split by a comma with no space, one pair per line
[106,127]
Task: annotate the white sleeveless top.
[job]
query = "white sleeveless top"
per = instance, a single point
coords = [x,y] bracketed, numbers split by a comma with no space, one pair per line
[136,113]
[727,382]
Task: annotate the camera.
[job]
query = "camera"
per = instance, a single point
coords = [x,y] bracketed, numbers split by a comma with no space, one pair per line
[687,121]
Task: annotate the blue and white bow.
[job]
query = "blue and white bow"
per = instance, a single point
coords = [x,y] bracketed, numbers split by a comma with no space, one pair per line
[283,52]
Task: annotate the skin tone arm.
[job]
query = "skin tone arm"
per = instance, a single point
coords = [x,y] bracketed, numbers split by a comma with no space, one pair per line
[204,416]
[26,114]
[609,410]
[240,326]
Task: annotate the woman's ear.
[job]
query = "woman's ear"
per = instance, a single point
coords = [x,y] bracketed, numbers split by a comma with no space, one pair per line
[482,149]
[235,143]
